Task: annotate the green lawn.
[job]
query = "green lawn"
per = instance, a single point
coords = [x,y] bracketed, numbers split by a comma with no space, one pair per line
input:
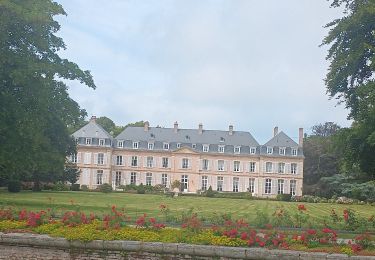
[136,204]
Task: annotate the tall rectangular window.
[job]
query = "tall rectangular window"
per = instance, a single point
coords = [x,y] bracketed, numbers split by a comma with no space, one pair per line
[164,179]
[135,145]
[134,161]
[294,152]
[205,165]
[220,165]
[280,186]
[149,179]
[267,186]
[165,162]
[252,150]
[205,148]
[221,149]
[185,182]
[118,179]
[151,146]
[252,167]
[88,141]
[119,160]
[73,158]
[150,161]
[185,163]
[166,146]
[220,183]
[120,144]
[252,185]
[293,187]
[293,168]
[99,177]
[101,142]
[281,168]
[133,178]
[268,166]
[236,166]
[236,181]
[100,158]
[269,150]
[204,182]
[282,150]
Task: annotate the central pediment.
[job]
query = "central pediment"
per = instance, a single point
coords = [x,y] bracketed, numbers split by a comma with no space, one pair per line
[185,150]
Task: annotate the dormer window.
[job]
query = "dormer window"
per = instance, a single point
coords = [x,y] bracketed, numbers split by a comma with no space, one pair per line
[253,150]
[269,150]
[88,141]
[120,144]
[178,145]
[282,150]
[101,142]
[221,148]
[222,139]
[237,149]
[194,146]
[294,152]
[135,145]
[151,146]
[166,146]
[206,148]
[77,140]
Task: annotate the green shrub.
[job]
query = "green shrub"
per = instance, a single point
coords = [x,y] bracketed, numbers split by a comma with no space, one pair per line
[105,188]
[141,189]
[284,197]
[74,187]
[84,188]
[209,193]
[60,186]
[14,186]
[234,195]
[48,186]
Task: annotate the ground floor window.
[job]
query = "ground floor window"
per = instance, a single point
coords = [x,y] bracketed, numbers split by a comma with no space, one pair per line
[280,186]
[149,179]
[252,185]
[220,183]
[184,182]
[99,177]
[118,179]
[293,185]
[204,182]
[133,178]
[164,179]
[267,186]
[236,180]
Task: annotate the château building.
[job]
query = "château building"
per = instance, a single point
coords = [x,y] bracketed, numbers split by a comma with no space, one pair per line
[228,161]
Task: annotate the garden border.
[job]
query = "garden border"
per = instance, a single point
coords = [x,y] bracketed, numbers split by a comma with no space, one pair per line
[173,249]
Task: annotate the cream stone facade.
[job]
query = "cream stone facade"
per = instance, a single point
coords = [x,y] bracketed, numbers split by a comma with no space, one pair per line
[228,161]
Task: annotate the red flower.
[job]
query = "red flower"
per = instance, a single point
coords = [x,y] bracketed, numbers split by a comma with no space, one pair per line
[261,243]
[113,208]
[152,220]
[250,242]
[243,235]
[301,207]
[346,215]
[311,231]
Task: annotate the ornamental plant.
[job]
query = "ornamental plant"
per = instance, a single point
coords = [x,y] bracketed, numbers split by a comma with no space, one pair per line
[192,223]
[75,218]
[115,219]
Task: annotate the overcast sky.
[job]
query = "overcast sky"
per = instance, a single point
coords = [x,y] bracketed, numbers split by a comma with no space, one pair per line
[254,64]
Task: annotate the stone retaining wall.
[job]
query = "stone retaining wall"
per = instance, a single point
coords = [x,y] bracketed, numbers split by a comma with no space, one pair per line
[31,246]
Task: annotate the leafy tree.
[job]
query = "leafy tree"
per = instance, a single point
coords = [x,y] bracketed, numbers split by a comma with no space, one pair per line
[106,123]
[351,80]
[35,107]
[71,173]
[326,129]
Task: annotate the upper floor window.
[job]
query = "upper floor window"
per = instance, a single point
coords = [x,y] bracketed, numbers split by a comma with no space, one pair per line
[194,146]
[252,150]
[100,158]
[294,152]
[73,158]
[221,149]
[151,146]
[166,146]
[165,162]
[268,166]
[236,166]
[150,161]
[185,163]
[281,167]
[88,140]
[220,165]
[237,149]
[178,145]
[120,144]
[134,161]
[282,150]
[135,145]
[205,164]
[293,168]
[252,167]
[269,150]
[119,160]
[206,148]
[101,142]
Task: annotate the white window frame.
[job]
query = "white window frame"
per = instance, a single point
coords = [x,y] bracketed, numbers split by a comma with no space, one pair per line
[220,183]
[194,146]
[73,158]
[293,168]
[282,150]
[134,162]
[184,182]
[252,166]
[253,150]
[236,166]
[269,169]
[164,179]
[281,168]
[220,169]
[237,150]
[166,146]
[88,141]
[135,145]
[101,142]
[120,144]
[252,185]
[148,179]
[236,184]
[150,146]
[280,186]
[293,187]
[185,163]
[119,160]
[118,178]
[149,161]
[204,182]
[269,150]
[99,177]
[178,145]
[267,186]
[100,159]
[205,164]
[221,148]
[206,148]
[133,178]
[165,162]
[294,151]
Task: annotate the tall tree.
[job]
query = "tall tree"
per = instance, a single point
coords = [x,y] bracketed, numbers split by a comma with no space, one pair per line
[351,80]
[35,107]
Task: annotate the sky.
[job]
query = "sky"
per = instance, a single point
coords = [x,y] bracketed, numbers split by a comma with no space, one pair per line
[247,63]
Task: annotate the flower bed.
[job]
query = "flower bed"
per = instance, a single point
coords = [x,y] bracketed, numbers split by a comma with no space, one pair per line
[116,225]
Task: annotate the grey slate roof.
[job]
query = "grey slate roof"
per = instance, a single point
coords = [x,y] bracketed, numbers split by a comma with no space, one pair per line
[281,140]
[192,136]
[92,130]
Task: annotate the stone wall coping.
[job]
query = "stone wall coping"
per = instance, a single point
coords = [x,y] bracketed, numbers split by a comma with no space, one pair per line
[28,239]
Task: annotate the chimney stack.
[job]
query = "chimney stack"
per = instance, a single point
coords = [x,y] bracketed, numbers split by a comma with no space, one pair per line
[200,128]
[175,127]
[300,137]
[275,131]
[147,126]
[230,130]
[93,119]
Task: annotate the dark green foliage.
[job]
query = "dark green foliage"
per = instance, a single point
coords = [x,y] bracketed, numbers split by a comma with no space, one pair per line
[209,193]
[74,187]
[14,186]
[71,173]
[84,188]
[105,188]
[284,197]
[61,186]
[141,189]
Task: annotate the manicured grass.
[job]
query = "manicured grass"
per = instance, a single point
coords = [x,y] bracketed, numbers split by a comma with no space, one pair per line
[137,204]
